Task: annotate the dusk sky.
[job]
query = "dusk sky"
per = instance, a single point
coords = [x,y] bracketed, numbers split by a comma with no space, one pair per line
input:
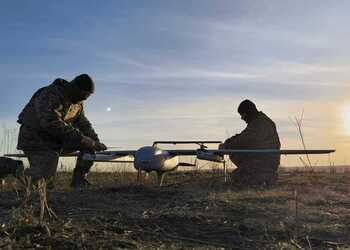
[178,69]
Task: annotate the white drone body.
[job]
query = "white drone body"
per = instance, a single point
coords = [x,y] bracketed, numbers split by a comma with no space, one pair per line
[151,158]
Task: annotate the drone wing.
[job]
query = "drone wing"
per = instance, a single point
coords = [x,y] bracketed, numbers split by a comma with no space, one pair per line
[273,151]
[202,154]
[104,156]
[122,156]
[24,156]
[217,155]
[252,151]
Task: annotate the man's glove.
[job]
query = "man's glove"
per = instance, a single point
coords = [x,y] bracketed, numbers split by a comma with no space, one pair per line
[87,143]
[91,145]
[100,146]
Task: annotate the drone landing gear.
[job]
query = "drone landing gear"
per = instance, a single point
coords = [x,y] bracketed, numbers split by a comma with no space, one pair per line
[225,170]
[160,177]
[141,177]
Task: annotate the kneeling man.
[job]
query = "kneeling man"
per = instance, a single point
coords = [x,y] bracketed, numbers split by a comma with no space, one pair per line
[260,133]
[54,122]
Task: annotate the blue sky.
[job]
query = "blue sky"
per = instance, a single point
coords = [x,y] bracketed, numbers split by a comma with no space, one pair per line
[178,69]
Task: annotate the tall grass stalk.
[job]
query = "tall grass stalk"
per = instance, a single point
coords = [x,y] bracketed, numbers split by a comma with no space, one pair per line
[299,123]
[44,206]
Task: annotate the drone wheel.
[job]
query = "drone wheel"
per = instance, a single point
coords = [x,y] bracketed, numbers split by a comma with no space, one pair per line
[140,178]
[160,178]
[225,170]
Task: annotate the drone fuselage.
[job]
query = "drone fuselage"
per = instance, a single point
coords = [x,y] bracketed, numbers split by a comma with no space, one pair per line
[151,158]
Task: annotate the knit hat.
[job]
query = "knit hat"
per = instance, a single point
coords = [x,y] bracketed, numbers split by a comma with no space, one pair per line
[84,82]
[247,107]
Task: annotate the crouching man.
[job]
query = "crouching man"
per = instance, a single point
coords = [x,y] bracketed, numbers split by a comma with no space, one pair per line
[260,133]
[54,122]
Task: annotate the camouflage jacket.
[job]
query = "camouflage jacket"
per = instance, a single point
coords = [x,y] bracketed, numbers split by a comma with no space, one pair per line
[260,133]
[51,121]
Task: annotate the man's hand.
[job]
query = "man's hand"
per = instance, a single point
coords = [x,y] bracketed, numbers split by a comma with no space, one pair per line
[100,146]
[87,143]
[91,145]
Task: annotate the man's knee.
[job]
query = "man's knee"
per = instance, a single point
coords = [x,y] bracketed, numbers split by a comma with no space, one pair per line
[42,164]
[254,174]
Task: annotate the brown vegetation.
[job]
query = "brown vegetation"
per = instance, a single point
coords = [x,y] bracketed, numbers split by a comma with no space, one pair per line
[194,210]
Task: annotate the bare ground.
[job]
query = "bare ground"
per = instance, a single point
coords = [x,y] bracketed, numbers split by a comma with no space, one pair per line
[194,210]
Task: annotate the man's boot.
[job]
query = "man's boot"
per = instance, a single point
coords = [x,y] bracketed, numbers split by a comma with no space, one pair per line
[81,170]
[79,180]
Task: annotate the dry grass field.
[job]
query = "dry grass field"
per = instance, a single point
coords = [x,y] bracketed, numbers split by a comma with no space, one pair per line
[194,210]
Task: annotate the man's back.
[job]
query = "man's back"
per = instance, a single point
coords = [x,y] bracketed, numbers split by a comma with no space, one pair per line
[46,119]
[260,133]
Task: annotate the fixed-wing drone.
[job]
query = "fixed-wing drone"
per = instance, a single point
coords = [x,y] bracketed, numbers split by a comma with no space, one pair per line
[153,158]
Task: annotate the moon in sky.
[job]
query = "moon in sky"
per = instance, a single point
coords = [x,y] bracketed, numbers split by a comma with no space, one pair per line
[108,109]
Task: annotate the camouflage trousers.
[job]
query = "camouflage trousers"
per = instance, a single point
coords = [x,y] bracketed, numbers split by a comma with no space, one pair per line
[43,164]
[255,172]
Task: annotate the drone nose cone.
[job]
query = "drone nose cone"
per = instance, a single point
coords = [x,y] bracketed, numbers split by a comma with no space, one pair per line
[145,152]
[148,159]
[154,159]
